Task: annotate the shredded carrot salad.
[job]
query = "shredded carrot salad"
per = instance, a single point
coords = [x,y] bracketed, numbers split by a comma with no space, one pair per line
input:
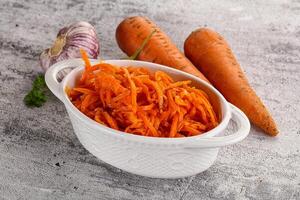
[134,100]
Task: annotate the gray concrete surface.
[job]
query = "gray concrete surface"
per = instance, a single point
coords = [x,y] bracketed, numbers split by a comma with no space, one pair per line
[40,158]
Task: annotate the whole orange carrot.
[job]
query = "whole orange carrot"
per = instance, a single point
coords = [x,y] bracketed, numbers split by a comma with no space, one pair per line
[211,54]
[131,33]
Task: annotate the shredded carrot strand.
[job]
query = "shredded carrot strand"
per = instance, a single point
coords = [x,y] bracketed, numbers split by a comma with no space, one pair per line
[178,84]
[174,125]
[133,90]
[112,123]
[148,124]
[85,91]
[85,59]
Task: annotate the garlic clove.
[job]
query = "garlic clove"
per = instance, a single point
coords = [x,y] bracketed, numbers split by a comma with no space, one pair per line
[45,60]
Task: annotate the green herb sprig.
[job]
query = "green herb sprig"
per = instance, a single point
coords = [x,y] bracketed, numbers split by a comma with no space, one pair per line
[36,97]
[139,50]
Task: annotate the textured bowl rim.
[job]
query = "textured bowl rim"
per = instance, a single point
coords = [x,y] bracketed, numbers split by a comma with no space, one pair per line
[226,111]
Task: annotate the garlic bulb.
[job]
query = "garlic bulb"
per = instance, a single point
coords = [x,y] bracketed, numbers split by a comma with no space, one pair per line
[67,44]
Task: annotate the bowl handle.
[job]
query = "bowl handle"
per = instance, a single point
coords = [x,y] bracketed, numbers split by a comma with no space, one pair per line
[51,74]
[243,130]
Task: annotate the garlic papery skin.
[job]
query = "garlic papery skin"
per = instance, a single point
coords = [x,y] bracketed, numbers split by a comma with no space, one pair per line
[69,40]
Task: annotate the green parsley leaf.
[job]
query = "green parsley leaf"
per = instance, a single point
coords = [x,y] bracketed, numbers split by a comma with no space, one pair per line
[36,96]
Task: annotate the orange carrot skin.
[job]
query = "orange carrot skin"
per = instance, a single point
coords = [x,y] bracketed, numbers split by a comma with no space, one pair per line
[211,54]
[131,33]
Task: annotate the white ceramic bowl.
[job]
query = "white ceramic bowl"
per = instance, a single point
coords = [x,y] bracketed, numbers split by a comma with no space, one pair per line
[149,156]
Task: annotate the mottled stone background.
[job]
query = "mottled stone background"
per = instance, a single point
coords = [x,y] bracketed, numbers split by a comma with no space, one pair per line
[40,158]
